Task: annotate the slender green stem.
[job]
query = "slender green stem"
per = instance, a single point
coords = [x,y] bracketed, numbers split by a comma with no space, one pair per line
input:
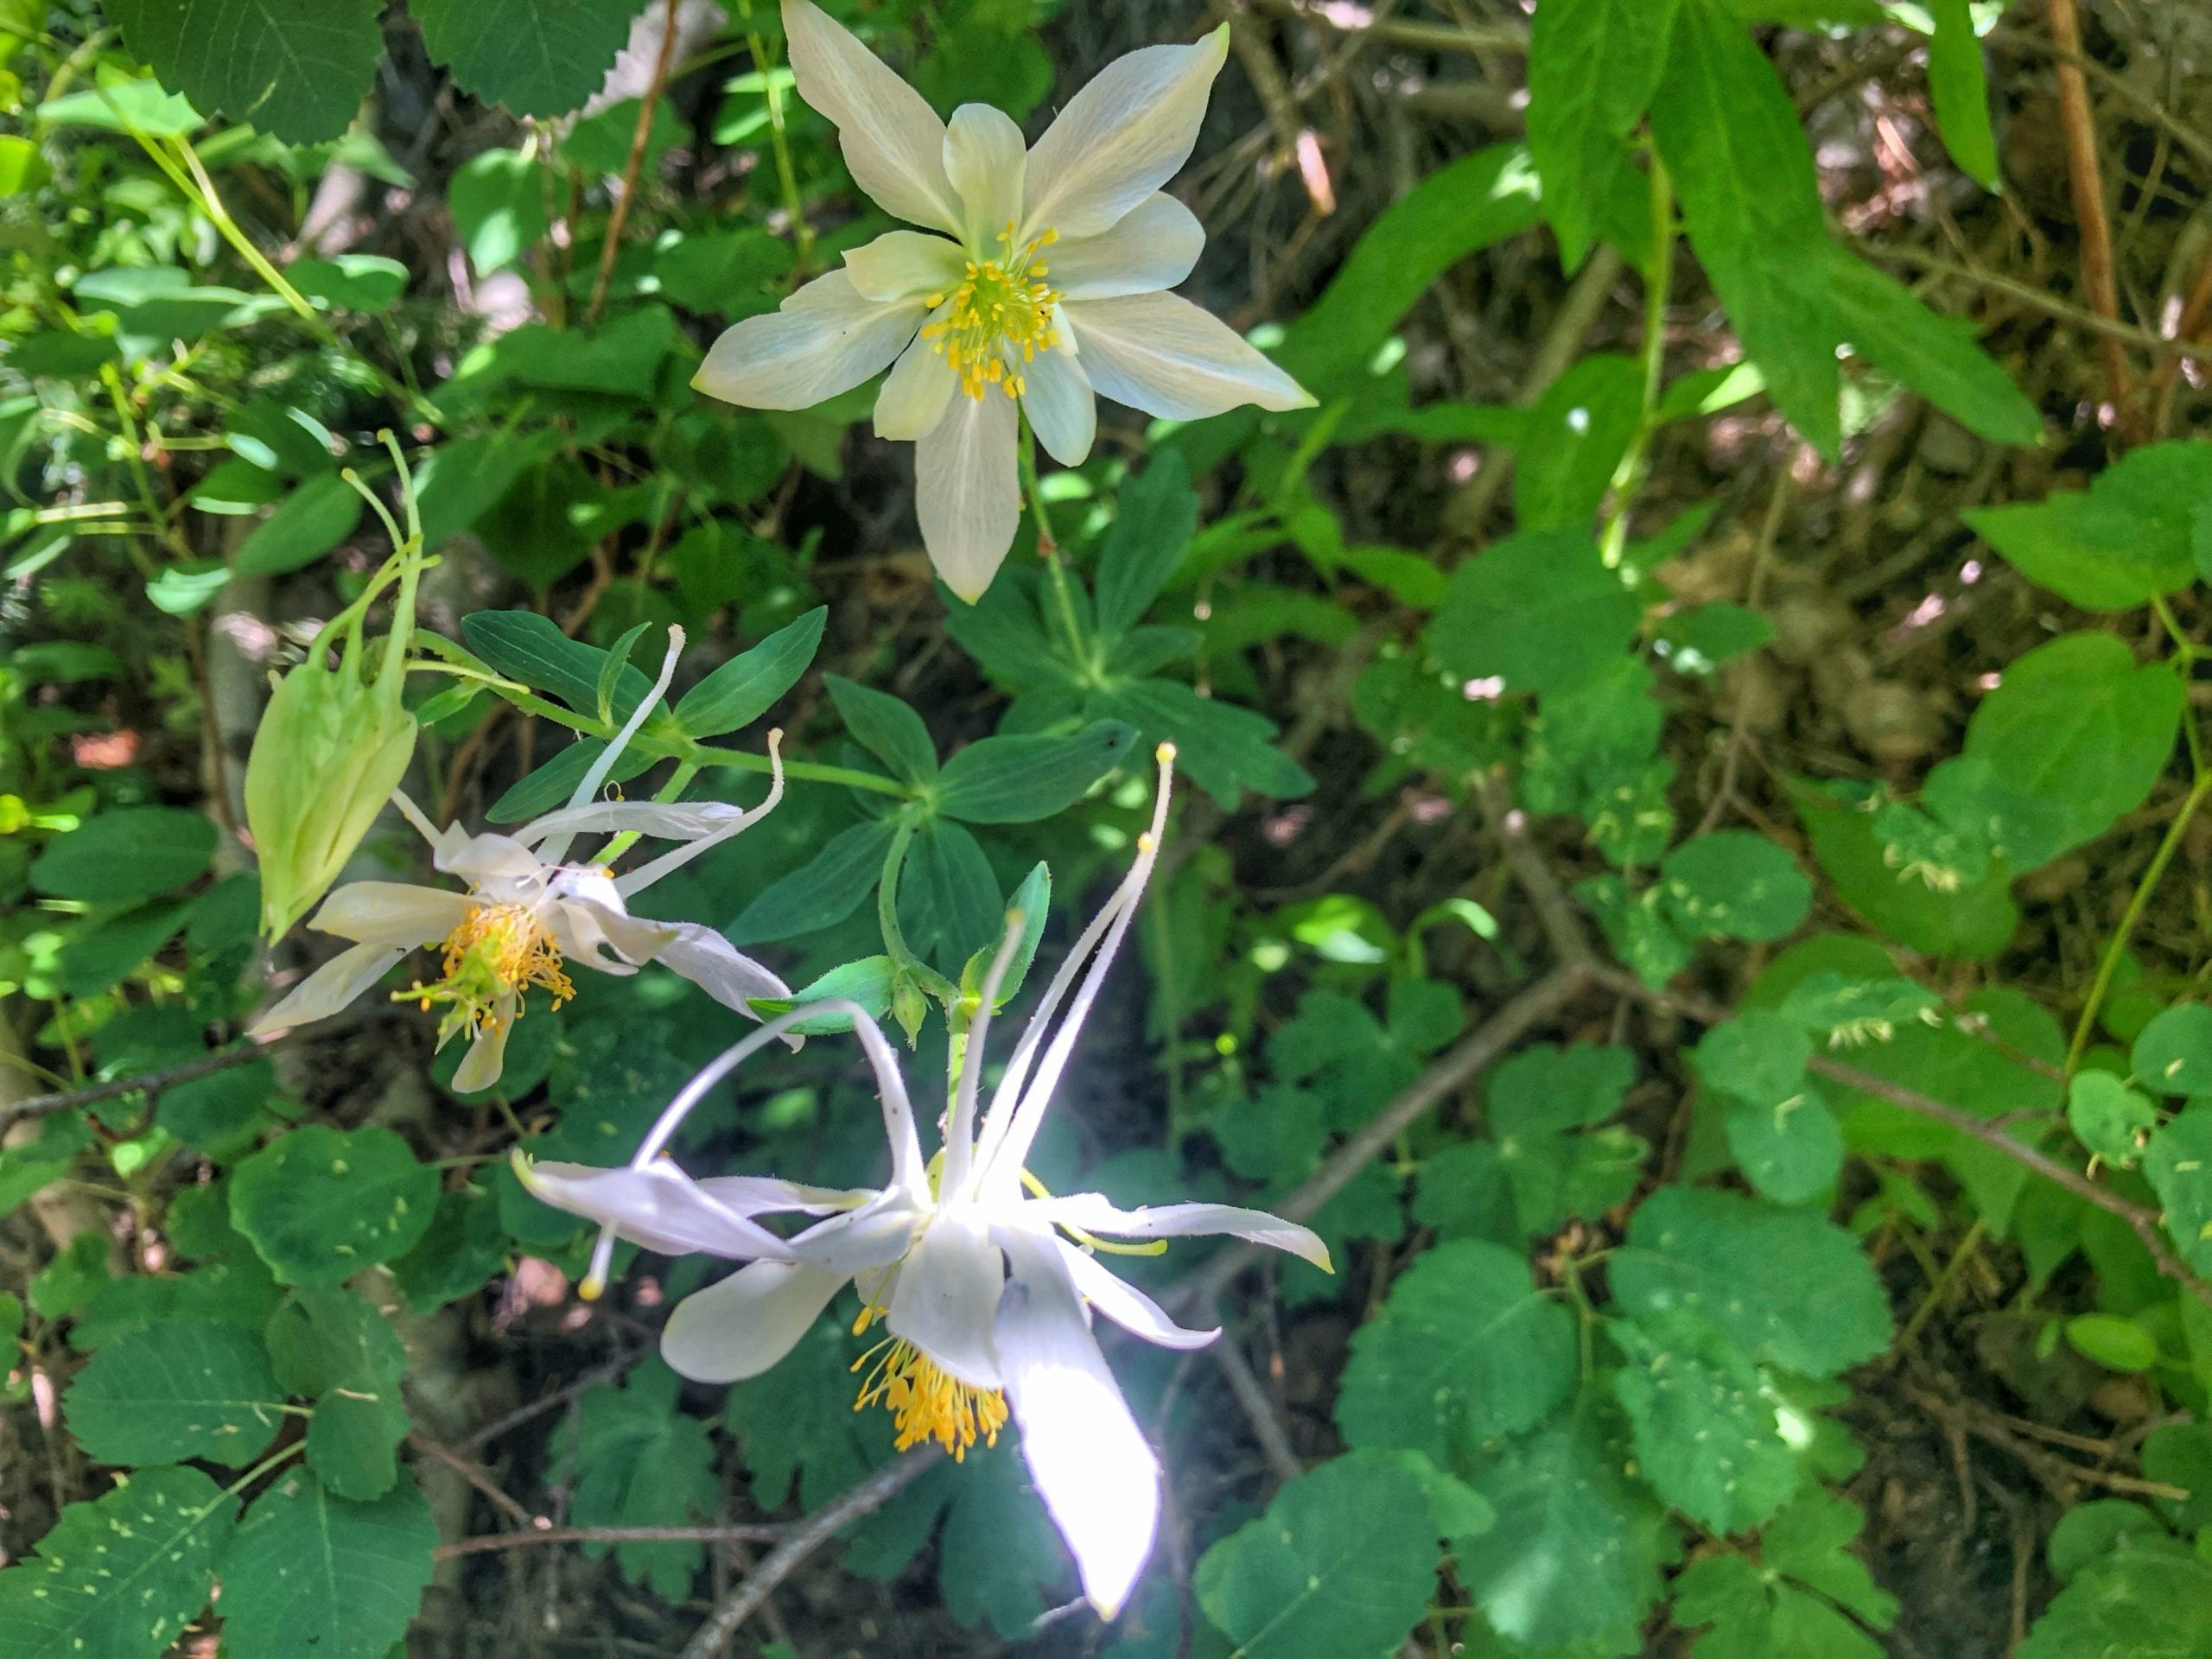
[1939,1288]
[779,142]
[1628,477]
[1079,650]
[2118,944]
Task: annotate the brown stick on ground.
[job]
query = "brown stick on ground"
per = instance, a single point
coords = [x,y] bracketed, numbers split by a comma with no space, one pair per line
[2088,191]
[639,137]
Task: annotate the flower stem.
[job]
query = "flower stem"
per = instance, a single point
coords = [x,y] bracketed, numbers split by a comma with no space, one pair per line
[779,142]
[1628,477]
[2109,963]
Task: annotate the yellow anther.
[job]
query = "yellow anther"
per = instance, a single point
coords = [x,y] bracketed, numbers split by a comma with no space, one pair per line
[498,951]
[999,315]
[926,1403]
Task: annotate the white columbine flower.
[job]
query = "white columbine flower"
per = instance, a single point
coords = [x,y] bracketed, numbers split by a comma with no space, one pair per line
[986,1283]
[526,911]
[1045,281]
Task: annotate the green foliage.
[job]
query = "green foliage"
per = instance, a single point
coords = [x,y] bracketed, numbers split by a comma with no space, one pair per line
[321,1204]
[174,1390]
[309,1569]
[639,1462]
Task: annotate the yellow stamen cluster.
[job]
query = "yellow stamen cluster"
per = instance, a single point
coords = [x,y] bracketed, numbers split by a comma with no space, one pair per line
[925,1404]
[497,951]
[1001,317]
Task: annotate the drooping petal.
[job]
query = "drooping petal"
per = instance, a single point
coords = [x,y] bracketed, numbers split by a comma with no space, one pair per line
[916,393]
[587,920]
[1127,1306]
[864,1240]
[720,969]
[1123,136]
[1160,353]
[488,861]
[1060,405]
[769,1195]
[986,161]
[727,823]
[1154,245]
[1093,1212]
[331,986]
[903,264]
[966,492]
[658,1206]
[487,1052]
[892,141]
[947,1294]
[671,821]
[1093,1468]
[742,1327]
[827,339]
[392,913]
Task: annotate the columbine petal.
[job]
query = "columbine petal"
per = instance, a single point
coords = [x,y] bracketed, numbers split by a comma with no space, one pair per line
[1093,1212]
[966,493]
[986,161]
[1061,407]
[1123,136]
[392,913]
[719,968]
[658,1206]
[331,986]
[670,821]
[1160,353]
[487,1052]
[1090,1462]
[900,264]
[916,393]
[587,920]
[862,1240]
[739,1327]
[1127,1306]
[827,339]
[948,1290]
[766,1195]
[1155,246]
[892,141]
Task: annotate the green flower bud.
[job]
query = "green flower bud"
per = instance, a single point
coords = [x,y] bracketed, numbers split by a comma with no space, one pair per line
[332,747]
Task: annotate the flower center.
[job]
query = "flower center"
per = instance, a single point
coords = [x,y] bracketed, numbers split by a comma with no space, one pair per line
[1000,317]
[498,950]
[925,1404]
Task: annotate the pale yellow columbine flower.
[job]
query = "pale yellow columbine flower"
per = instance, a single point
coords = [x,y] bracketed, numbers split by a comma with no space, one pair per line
[985,1283]
[528,914]
[1045,283]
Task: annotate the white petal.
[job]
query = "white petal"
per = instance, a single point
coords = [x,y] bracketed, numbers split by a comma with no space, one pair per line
[1154,245]
[739,1327]
[915,394]
[947,1292]
[719,968]
[892,141]
[487,1052]
[659,1206]
[1091,1464]
[483,859]
[828,338]
[1160,353]
[986,161]
[901,264]
[331,986]
[1060,405]
[966,492]
[1123,136]
[671,821]
[863,1241]
[390,913]
[1126,1304]
[765,1195]
[587,920]
[1093,1212]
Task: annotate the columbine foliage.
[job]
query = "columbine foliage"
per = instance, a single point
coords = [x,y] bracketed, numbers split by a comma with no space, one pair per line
[1635,1076]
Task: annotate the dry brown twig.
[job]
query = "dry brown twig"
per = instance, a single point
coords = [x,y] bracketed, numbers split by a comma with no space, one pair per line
[640,138]
[2087,182]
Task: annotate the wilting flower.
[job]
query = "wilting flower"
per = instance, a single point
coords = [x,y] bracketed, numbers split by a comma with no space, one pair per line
[331,747]
[1045,283]
[985,1283]
[527,913]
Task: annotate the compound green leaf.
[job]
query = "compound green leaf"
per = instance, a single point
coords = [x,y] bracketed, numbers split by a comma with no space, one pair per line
[177,1388]
[2178,1161]
[1959,87]
[537,57]
[1341,1566]
[331,1345]
[2173,1053]
[321,1204]
[2108,1117]
[821,893]
[297,68]
[1592,67]
[1733,884]
[1705,1425]
[886,728]
[133,852]
[640,1462]
[2145,1599]
[745,687]
[1155,515]
[310,1572]
[306,524]
[1539,610]
[1744,1266]
[1936,356]
[1464,1350]
[1574,440]
[1021,780]
[120,1577]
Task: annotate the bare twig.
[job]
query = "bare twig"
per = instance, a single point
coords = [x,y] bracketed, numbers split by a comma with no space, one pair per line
[802,1539]
[479,1477]
[1259,1410]
[2089,190]
[1556,912]
[591,1379]
[490,1543]
[2036,299]
[640,139]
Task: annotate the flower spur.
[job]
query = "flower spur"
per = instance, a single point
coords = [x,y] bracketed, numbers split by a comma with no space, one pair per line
[528,915]
[985,1284]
